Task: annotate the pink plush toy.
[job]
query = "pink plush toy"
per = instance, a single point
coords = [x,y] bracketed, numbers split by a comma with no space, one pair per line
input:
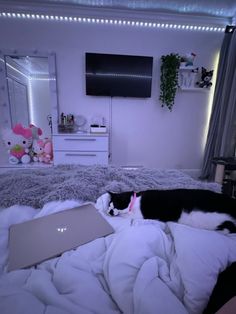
[43,150]
[48,151]
[18,140]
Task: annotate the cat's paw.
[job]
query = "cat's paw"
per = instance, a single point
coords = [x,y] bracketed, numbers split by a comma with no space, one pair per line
[112,211]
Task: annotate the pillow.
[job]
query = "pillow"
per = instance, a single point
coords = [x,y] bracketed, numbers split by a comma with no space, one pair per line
[201,255]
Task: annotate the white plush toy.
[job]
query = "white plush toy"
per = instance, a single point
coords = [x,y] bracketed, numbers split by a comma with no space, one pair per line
[38,149]
[18,141]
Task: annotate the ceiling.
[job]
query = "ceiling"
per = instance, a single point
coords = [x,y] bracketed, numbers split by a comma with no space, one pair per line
[214,8]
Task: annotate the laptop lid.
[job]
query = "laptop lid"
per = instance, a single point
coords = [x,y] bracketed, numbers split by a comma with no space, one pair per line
[36,240]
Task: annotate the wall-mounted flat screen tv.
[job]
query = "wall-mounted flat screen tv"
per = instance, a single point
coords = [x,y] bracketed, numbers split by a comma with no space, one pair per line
[118,75]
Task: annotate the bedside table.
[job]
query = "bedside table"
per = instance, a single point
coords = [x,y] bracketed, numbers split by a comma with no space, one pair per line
[85,149]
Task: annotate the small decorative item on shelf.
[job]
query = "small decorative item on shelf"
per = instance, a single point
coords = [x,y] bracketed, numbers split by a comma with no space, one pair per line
[98,124]
[169,79]
[206,78]
[66,124]
[81,124]
[95,128]
[188,78]
[187,60]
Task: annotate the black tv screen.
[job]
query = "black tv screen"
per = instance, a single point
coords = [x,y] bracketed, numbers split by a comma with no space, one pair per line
[118,75]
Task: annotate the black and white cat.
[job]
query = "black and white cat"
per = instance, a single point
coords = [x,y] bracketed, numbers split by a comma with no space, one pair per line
[197,208]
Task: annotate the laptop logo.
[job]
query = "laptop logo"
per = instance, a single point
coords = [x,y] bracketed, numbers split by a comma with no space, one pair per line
[62,229]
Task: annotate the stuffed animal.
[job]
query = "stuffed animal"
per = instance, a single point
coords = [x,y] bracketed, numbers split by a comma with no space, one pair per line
[206,78]
[189,58]
[48,151]
[37,150]
[43,150]
[18,141]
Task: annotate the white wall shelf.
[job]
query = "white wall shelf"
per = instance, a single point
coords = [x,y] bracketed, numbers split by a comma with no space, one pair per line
[188,79]
[187,68]
[194,89]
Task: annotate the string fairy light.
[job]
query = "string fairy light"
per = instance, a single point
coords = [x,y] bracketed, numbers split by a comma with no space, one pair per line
[118,22]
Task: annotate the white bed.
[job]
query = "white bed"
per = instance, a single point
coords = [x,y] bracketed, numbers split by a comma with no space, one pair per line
[145,267]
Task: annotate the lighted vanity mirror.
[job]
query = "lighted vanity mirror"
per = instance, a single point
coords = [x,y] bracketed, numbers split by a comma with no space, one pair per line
[29,90]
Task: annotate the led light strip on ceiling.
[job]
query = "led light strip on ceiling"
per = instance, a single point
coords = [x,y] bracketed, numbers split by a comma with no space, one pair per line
[123,22]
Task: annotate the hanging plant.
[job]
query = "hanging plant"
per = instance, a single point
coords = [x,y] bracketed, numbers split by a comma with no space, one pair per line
[169,79]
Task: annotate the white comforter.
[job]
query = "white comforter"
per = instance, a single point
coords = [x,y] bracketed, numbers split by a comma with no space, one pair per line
[145,267]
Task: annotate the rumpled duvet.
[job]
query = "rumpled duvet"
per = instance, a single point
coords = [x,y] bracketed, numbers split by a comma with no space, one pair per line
[145,267]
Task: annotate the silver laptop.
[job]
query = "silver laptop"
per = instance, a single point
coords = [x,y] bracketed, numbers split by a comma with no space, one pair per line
[34,241]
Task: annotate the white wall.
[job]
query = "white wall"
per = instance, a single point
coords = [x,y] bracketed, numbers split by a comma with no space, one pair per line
[143,133]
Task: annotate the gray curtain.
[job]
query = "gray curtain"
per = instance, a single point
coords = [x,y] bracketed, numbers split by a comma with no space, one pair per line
[222,128]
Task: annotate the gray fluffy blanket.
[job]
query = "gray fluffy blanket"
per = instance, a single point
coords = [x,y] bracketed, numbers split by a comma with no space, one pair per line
[35,187]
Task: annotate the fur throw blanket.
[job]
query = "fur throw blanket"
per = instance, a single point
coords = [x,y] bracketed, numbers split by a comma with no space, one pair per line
[36,187]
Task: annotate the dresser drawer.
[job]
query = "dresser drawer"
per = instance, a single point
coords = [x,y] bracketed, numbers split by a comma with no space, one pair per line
[83,158]
[81,143]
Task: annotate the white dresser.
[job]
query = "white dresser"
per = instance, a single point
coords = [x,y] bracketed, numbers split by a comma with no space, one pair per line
[85,149]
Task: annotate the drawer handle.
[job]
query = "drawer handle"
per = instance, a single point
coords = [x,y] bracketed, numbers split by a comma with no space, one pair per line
[79,154]
[80,139]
